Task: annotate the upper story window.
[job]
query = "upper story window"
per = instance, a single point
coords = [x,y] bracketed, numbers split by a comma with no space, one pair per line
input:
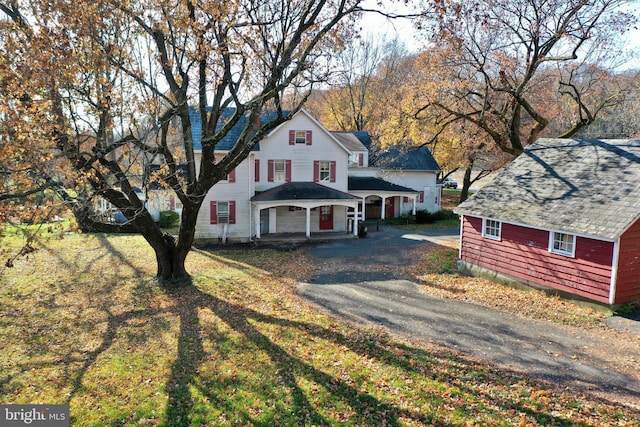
[279,172]
[491,229]
[562,243]
[300,137]
[325,171]
[356,159]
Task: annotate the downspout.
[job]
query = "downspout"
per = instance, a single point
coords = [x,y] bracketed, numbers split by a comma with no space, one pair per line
[460,242]
[614,271]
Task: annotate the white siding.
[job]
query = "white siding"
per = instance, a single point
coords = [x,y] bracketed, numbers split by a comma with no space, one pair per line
[239,191]
[323,147]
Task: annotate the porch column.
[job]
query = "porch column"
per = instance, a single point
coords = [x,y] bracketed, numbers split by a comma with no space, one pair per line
[383,211]
[364,204]
[256,220]
[355,222]
[415,198]
[308,209]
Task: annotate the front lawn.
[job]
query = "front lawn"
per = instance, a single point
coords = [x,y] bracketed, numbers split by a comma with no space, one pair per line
[83,322]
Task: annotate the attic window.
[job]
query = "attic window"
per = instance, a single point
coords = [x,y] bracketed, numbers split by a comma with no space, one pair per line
[562,243]
[491,229]
[301,137]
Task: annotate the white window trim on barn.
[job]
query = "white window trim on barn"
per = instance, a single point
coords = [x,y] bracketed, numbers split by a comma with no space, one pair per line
[491,229]
[562,243]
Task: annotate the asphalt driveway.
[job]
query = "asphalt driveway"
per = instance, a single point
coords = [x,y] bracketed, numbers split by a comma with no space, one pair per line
[371,290]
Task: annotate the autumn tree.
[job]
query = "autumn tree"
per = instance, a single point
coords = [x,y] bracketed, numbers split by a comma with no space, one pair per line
[91,89]
[490,60]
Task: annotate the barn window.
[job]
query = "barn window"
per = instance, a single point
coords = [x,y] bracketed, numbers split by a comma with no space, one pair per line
[491,229]
[562,243]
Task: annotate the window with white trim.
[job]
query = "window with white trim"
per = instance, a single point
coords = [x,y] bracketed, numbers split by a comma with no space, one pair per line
[491,229]
[301,137]
[223,212]
[562,243]
[279,171]
[325,170]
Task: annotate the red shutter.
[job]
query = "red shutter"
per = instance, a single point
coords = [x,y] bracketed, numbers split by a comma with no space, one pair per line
[292,137]
[421,196]
[213,212]
[287,170]
[332,171]
[270,171]
[309,133]
[360,159]
[232,176]
[256,164]
[232,212]
[172,203]
[316,171]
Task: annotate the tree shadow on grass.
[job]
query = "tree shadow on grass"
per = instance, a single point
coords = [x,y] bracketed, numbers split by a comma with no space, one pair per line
[291,371]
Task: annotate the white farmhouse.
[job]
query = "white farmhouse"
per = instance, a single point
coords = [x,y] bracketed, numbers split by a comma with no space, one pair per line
[303,179]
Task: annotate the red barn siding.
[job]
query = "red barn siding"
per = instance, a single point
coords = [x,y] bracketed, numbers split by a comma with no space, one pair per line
[523,253]
[628,283]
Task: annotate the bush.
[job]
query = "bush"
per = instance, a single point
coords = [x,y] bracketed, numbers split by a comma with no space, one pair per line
[362,230]
[426,217]
[169,219]
[447,214]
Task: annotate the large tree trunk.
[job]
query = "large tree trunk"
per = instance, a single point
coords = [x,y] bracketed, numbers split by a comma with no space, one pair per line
[171,253]
[466,184]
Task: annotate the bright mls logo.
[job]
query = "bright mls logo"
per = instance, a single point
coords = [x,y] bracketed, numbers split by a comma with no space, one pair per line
[34,415]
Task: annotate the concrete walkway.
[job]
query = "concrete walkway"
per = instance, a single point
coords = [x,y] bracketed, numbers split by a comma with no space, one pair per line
[543,350]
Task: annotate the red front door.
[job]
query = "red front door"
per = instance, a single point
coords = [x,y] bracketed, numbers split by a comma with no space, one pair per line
[390,208]
[326,217]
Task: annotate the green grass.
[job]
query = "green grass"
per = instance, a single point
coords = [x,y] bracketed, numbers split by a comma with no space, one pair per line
[83,322]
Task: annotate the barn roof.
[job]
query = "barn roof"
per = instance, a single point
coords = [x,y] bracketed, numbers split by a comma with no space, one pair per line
[586,187]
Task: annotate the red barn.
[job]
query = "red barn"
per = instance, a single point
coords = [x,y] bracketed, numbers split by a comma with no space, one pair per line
[564,215]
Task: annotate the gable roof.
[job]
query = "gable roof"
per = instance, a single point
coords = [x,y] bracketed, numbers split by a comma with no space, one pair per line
[370,183]
[350,141]
[586,187]
[232,136]
[397,158]
[301,191]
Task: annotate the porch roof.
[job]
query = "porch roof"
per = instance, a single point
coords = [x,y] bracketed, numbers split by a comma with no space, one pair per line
[370,183]
[301,191]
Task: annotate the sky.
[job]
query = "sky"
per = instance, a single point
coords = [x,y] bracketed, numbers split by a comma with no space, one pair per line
[379,26]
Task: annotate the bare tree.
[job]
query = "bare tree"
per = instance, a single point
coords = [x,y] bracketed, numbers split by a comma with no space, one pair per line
[492,58]
[91,88]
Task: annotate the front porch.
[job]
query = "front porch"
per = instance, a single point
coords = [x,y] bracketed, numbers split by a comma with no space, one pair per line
[302,237]
[304,208]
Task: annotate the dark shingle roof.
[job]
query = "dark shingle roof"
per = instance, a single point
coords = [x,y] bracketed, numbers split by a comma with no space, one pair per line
[396,158]
[586,187]
[232,136]
[301,191]
[369,183]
